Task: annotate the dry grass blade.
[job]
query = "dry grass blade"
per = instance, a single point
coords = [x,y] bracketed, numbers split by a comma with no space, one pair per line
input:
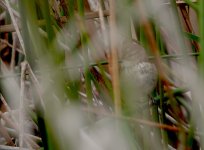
[13,53]
[10,45]
[22,105]
[114,58]
[3,5]
[5,134]
[15,25]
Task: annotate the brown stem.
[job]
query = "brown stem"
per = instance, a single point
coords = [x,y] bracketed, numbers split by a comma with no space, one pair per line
[114,59]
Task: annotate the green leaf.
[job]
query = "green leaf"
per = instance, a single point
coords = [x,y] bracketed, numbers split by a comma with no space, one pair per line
[192,36]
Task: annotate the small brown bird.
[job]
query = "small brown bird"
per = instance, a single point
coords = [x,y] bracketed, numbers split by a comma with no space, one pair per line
[136,68]
[138,76]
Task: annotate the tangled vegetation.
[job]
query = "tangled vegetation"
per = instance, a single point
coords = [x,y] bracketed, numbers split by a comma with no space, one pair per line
[101,74]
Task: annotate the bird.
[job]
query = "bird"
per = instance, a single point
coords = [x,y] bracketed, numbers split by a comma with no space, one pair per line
[138,75]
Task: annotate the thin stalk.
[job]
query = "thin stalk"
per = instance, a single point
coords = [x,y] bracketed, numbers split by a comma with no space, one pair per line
[189,27]
[201,58]
[21,109]
[114,59]
[161,45]
[142,36]
[80,5]
[3,5]
[155,118]
[30,19]
[190,136]
[105,78]
[162,118]
[48,21]
[201,26]
[84,41]
[182,140]
[157,36]
[15,25]
[13,54]
[88,85]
